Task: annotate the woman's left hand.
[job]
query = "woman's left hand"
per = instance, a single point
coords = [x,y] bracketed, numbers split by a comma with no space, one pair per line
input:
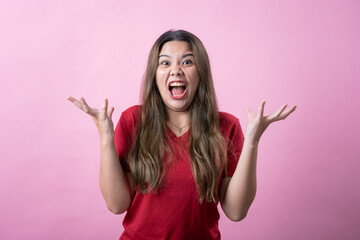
[257,125]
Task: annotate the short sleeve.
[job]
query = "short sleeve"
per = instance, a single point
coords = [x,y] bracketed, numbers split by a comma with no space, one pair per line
[232,131]
[123,135]
[235,145]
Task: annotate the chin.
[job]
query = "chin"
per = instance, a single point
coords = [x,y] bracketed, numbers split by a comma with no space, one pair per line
[178,107]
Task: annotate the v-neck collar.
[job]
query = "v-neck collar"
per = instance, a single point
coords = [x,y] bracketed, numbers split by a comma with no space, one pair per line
[174,136]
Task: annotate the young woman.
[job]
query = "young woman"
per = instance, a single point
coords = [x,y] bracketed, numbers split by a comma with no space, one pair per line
[173,158]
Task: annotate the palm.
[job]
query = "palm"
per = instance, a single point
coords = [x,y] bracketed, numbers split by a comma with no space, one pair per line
[257,125]
[102,118]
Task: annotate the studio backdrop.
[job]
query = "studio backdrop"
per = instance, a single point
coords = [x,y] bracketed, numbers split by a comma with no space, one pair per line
[303,53]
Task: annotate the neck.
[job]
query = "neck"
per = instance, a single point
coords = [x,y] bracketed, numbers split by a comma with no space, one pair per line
[179,122]
[178,118]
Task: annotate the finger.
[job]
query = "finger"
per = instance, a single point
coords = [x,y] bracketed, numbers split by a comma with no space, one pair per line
[261,109]
[75,102]
[104,108]
[111,112]
[287,113]
[70,98]
[276,114]
[86,107]
[250,113]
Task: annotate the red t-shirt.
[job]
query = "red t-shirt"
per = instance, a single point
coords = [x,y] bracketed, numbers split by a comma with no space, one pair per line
[174,212]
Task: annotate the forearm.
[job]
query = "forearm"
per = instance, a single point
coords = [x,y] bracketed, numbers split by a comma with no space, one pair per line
[113,182]
[241,190]
[238,193]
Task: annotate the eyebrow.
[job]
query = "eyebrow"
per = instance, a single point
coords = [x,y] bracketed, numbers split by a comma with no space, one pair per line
[184,56]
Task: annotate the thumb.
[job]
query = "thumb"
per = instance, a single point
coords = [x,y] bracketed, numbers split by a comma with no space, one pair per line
[111,112]
[249,112]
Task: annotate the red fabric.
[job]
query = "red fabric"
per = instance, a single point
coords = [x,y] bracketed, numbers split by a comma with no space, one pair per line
[174,212]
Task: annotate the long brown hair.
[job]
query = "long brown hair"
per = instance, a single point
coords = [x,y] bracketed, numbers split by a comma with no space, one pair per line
[207,145]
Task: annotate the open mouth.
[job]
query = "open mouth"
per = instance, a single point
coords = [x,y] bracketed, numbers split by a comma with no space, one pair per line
[177,90]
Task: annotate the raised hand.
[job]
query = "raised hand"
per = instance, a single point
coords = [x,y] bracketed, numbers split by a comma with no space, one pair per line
[257,125]
[102,118]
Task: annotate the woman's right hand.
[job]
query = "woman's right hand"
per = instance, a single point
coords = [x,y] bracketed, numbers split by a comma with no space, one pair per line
[101,118]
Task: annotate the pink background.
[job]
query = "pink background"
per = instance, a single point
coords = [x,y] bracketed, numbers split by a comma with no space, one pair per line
[297,52]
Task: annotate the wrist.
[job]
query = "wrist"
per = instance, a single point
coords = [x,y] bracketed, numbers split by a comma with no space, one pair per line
[251,142]
[107,138]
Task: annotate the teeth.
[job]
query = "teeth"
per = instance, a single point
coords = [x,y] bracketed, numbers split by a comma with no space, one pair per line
[177,84]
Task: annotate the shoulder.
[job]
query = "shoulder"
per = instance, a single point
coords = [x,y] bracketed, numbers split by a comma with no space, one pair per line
[128,118]
[227,117]
[227,120]
[228,123]
[131,114]
[133,110]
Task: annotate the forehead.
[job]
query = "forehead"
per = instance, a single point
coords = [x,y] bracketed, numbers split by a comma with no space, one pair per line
[174,47]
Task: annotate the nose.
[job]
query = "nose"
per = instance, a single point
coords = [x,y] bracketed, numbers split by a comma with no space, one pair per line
[176,71]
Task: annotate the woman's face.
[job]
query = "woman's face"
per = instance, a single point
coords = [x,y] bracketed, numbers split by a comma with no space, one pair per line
[177,77]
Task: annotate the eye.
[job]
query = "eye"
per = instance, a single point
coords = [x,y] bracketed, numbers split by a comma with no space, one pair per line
[164,63]
[187,62]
